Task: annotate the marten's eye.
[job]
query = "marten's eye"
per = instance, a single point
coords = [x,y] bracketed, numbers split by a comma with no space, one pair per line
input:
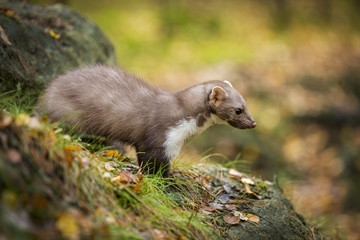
[238,111]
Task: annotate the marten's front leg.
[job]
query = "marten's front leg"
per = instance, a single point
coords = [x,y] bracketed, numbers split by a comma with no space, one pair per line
[153,160]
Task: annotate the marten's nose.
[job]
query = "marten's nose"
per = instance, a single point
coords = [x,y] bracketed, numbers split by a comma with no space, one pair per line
[253,124]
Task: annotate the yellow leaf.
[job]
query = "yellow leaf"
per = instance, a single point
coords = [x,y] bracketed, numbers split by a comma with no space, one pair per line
[22,120]
[67,226]
[112,153]
[54,35]
[73,148]
[9,13]
[253,218]
[68,154]
[247,188]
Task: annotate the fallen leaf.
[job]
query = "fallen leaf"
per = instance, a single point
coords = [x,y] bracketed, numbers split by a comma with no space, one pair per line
[230,207]
[240,215]
[22,120]
[232,220]
[227,188]
[217,206]
[14,155]
[54,35]
[67,226]
[247,180]
[73,148]
[10,13]
[247,188]
[253,218]
[241,176]
[239,201]
[204,181]
[125,177]
[110,166]
[203,211]
[209,208]
[236,173]
[112,153]
[224,198]
[4,37]
[68,154]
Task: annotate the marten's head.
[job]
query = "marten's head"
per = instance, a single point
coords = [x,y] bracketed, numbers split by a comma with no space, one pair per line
[230,107]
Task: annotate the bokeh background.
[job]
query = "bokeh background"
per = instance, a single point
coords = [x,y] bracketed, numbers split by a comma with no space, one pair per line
[297,63]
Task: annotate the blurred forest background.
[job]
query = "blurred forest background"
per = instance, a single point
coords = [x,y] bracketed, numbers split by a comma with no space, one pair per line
[297,63]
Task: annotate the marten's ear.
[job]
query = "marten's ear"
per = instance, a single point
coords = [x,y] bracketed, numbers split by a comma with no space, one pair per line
[217,95]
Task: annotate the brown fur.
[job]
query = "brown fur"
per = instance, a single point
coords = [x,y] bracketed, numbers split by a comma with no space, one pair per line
[110,102]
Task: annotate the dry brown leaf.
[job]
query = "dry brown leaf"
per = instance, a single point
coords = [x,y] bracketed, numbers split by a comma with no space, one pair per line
[239,201]
[204,181]
[232,220]
[203,211]
[209,208]
[230,207]
[253,218]
[125,177]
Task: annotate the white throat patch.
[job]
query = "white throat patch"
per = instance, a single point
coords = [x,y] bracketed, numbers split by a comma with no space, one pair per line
[183,130]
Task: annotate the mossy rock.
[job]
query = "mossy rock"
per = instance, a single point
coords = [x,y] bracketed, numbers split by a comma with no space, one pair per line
[38,43]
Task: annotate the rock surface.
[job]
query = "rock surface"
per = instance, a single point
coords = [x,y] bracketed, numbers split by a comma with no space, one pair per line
[253,209]
[38,43]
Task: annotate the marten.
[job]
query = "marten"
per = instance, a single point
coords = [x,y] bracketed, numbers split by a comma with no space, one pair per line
[113,103]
